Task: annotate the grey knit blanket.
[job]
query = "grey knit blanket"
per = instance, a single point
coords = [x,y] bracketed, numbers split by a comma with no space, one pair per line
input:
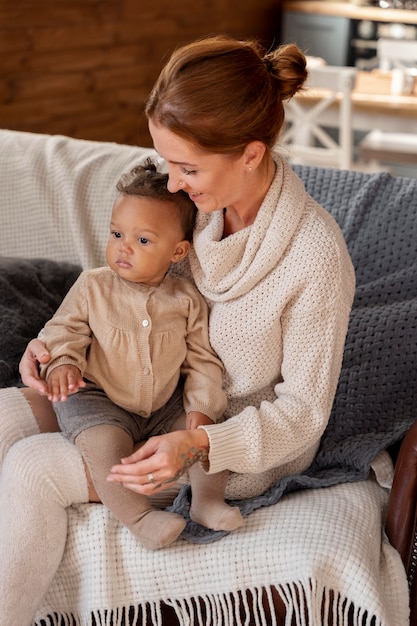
[376,398]
[30,292]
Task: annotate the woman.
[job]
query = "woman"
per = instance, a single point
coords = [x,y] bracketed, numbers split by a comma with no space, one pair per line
[279,282]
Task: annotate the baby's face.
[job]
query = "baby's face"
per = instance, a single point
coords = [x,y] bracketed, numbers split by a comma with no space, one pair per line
[145,238]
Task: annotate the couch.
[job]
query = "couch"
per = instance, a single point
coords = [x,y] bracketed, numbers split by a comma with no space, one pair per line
[335,545]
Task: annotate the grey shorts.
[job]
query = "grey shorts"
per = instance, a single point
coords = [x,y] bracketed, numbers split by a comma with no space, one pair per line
[91,407]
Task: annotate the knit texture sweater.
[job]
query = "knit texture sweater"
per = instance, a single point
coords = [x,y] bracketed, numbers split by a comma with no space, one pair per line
[134,341]
[280,293]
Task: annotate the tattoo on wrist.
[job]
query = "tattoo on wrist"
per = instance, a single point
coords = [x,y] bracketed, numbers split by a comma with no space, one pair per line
[194,455]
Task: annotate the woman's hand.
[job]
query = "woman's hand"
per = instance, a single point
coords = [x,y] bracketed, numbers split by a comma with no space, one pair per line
[161,461]
[34,354]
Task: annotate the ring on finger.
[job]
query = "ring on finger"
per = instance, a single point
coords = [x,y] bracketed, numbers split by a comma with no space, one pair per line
[151,478]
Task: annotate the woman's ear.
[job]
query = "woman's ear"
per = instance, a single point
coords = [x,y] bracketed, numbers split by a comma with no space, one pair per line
[181,251]
[253,154]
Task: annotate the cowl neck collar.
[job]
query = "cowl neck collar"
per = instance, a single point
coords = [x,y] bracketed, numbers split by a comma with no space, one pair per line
[228,268]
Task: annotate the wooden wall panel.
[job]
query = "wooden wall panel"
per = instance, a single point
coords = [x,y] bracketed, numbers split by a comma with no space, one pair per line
[84,68]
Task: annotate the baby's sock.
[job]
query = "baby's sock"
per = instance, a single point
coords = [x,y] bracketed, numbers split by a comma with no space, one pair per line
[104,446]
[208,507]
[16,419]
[41,476]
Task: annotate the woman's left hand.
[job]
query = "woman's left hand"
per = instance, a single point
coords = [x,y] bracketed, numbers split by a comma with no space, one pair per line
[159,463]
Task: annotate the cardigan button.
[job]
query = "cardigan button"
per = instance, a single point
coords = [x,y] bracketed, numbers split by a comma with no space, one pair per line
[145,323]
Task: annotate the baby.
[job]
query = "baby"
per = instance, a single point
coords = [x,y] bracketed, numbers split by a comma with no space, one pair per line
[132,339]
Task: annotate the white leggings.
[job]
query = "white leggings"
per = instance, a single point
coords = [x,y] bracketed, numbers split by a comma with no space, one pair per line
[16,420]
[40,476]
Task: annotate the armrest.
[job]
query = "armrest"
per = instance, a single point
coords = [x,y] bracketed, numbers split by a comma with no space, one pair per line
[402,506]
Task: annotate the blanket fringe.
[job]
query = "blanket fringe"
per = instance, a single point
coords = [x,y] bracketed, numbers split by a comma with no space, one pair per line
[305,603]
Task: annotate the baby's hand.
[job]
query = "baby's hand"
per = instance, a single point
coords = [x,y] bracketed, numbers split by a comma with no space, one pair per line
[63,381]
[195,419]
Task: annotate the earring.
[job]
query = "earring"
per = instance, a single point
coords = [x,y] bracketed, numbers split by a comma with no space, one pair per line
[181,184]
[250,168]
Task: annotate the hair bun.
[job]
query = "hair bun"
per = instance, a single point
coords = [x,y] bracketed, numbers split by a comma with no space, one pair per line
[289,68]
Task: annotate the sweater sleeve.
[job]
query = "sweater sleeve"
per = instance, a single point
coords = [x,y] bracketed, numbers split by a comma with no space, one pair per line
[67,334]
[202,370]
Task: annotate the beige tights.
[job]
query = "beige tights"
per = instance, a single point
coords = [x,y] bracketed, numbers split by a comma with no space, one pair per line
[103,446]
[207,501]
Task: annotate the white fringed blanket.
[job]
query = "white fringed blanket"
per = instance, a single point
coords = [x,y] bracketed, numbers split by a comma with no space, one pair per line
[315,544]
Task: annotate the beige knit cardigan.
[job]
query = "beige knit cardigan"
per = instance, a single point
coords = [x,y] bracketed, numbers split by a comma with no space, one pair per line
[134,341]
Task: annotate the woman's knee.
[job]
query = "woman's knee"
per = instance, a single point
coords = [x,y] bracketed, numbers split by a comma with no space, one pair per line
[49,466]
[22,469]
[28,461]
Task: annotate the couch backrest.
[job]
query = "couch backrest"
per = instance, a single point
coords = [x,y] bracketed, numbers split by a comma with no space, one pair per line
[57,193]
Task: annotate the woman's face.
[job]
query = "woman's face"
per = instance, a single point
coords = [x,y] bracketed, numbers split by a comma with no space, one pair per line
[213,181]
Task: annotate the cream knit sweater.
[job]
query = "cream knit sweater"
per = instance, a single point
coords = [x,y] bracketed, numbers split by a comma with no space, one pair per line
[280,293]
